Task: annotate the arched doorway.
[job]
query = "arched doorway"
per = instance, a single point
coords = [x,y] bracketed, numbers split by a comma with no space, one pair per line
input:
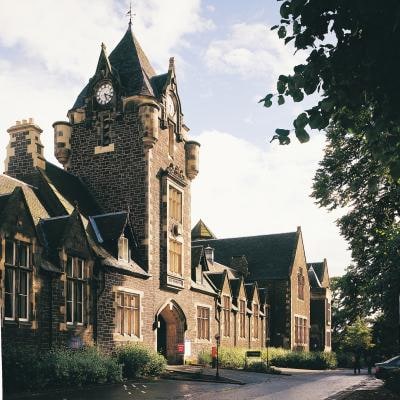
[171,327]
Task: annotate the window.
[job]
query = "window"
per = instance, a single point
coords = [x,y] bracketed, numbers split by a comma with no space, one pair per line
[301,330]
[128,314]
[175,204]
[328,312]
[171,140]
[17,280]
[203,323]
[300,284]
[226,304]
[75,290]
[256,316]
[242,318]
[175,257]
[123,249]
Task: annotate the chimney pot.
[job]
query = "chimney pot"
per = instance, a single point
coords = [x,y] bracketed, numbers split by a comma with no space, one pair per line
[24,121]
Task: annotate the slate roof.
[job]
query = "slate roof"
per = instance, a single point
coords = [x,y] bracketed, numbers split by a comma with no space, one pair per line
[319,268]
[7,186]
[313,278]
[217,278]
[197,253]
[269,256]
[109,226]
[249,288]
[67,186]
[235,286]
[133,66]
[201,231]
[159,82]
[51,231]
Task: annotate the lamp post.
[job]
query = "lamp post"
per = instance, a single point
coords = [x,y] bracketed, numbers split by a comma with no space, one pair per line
[217,338]
[267,343]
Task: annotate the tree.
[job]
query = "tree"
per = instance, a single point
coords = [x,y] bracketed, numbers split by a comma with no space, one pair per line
[353,62]
[350,176]
[358,337]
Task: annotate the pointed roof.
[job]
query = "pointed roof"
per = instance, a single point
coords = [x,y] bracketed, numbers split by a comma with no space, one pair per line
[201,231]
[321,272]
[313,278]
[134,68]
[268,256]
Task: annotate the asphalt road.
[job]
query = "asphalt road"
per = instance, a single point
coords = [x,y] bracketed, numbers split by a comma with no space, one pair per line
[301,385]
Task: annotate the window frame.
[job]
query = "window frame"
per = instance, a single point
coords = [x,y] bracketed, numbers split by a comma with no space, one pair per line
[123,243]
[256,320]
[300,284]
[76,279]
[242,318]
[203,314]
[301,330]
[226,309]
[128,316]
[17,271]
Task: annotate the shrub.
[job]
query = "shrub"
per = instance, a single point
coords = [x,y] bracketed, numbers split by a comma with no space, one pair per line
[345,359]
[204,357]
[24,368]
[392,382]
[305,360]
[262,367]
[139,360]
[233,358]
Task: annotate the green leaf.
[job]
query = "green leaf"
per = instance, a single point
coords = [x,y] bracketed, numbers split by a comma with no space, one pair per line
[281,87]
[301,121]
[266,98]
[274,27]
[281,100]
[297,95]
[315,120]
[285,9]
[302,135]
[395,170]
[296,27]
[282,32]
[282,132]
[288,39]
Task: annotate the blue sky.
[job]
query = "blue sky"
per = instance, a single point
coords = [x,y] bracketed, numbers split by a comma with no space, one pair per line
[226,58]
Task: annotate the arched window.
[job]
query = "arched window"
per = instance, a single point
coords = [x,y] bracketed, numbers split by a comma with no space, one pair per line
[123,249]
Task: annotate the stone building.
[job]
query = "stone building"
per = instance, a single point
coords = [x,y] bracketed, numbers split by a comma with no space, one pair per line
[100,251]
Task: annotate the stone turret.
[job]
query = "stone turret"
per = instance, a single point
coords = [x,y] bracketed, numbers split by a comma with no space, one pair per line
[24,150]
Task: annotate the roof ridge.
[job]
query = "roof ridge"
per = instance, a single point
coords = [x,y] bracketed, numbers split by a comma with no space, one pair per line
[110,213]
[245,237]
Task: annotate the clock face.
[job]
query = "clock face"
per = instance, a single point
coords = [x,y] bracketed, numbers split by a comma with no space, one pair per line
[104,93]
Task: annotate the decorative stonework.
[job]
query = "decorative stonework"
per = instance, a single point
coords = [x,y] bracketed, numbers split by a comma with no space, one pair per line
[176,174]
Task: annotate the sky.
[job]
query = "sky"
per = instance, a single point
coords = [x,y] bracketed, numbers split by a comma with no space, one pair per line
[227,58]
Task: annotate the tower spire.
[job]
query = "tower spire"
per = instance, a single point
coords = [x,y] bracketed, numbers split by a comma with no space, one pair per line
[130,14]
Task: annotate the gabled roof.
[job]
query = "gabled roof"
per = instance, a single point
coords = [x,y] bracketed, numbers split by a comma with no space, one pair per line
[269,256]
[109,226]
[36,208]
[133,66]
[51,231]
[201,231]
[235,286]
[320,269]
[249,287]
[66,186]
[197,254]
[217,278]
[313,278]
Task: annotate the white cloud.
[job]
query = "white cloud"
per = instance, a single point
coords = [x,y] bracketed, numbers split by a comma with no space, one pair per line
[251,50]
[49,50]
[246,190]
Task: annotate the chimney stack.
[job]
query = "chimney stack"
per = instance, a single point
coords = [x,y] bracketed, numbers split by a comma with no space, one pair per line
[24,150]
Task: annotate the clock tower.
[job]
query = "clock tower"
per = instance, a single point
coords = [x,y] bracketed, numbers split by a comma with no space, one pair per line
[127,141]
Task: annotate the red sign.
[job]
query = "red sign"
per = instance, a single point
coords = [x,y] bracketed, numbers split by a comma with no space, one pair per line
[213,352]
[180,348]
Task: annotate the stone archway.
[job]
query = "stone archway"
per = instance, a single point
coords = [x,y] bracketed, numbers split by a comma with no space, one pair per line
[171,327]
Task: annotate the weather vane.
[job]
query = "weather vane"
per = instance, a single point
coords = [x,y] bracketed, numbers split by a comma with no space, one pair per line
[130,13]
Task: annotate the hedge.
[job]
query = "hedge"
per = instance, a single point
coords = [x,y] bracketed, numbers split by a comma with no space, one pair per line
[140,360]
[235,358]
[25,368]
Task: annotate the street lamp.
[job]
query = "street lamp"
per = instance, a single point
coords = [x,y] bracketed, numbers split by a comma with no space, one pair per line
[217,338]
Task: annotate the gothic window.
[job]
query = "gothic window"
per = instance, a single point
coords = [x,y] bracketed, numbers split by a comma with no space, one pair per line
[242,318]
[175,257]
[328,338]
[17,280]
[175,204]
[227,315]
[123,249]
[328,312]
[203,323]
[75,290]
[256,316]
[300,284]
[105,131]
[128,314]
[301,330]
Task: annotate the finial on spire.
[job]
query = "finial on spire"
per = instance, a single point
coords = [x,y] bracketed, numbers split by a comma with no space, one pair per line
[103,46]
[130,14]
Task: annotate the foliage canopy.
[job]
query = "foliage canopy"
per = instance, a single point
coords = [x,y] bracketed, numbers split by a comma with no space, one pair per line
[353,63]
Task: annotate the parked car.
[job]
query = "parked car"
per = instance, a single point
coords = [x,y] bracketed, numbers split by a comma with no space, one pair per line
[383,369]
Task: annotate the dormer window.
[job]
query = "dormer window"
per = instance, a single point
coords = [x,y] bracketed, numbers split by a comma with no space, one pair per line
[123,249]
